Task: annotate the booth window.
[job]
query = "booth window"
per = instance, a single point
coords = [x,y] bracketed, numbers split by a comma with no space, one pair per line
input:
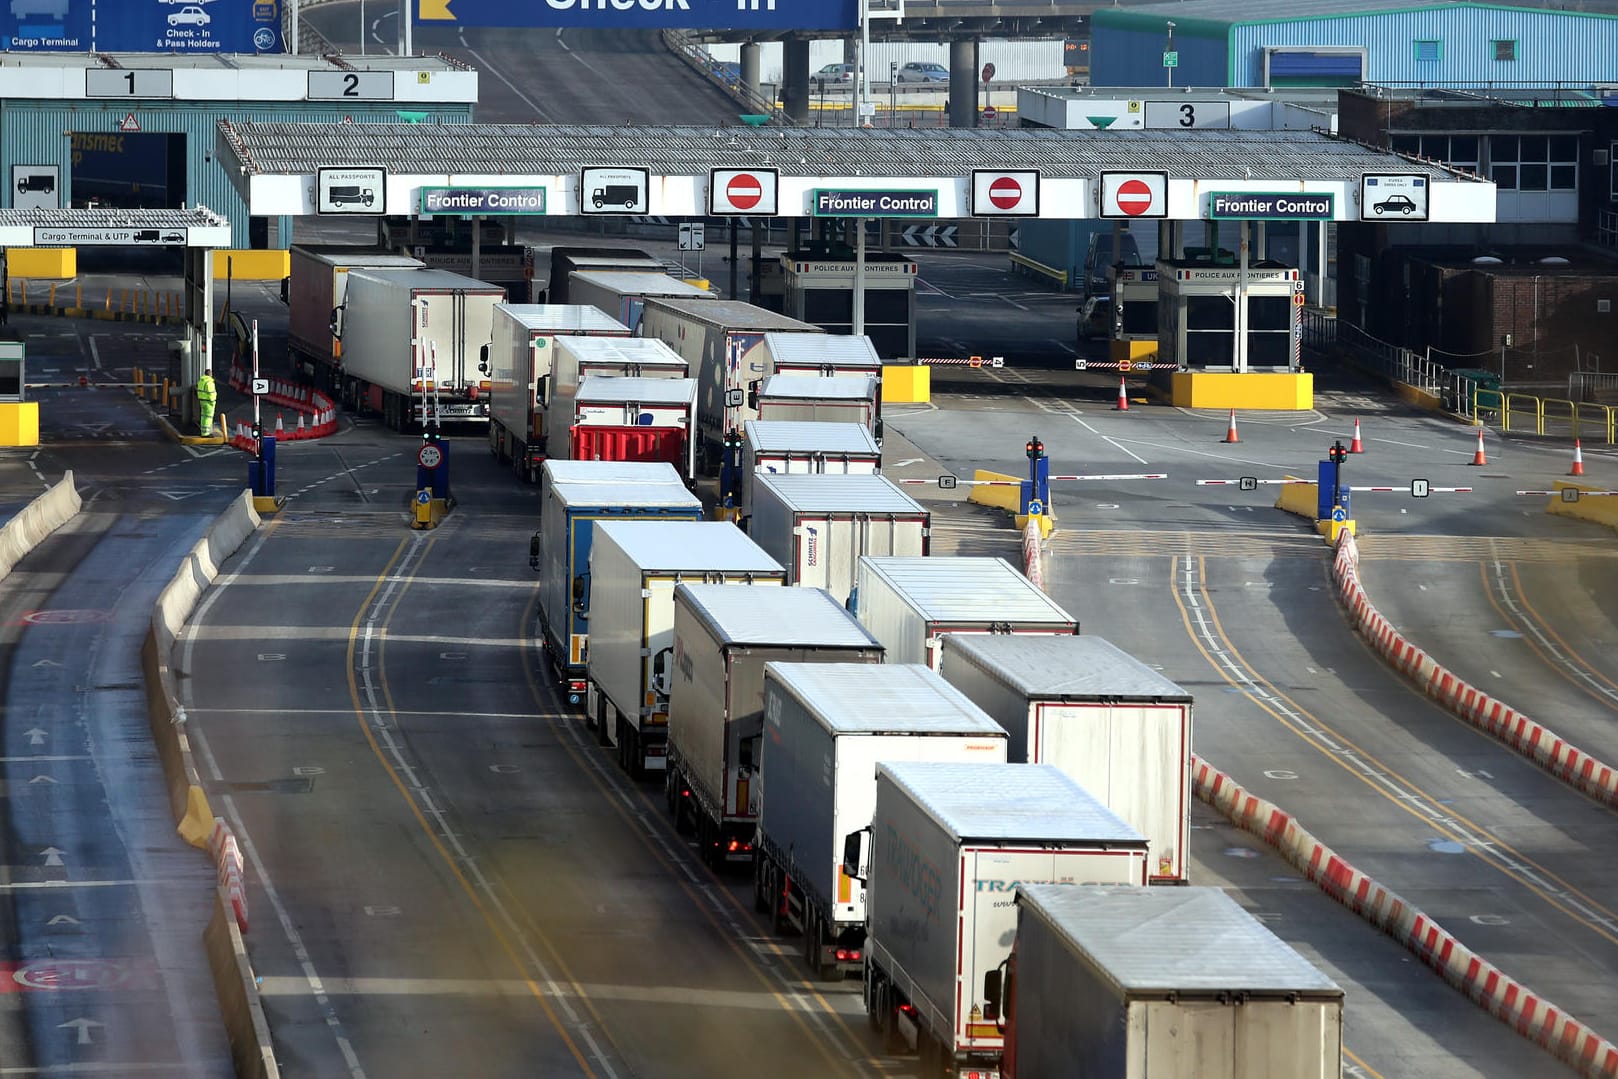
[1505,48]
[1429,50]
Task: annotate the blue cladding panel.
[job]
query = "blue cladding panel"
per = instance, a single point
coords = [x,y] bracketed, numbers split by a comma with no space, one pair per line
[185,26]
[1129,57]
[1304,64]
[648,14]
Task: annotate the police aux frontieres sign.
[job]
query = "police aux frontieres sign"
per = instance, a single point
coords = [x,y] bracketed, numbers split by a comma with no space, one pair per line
[645,14]
[218,26]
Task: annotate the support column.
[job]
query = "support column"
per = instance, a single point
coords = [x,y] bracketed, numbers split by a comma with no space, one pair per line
[1238,357]
[855,55]
[749,65]
[795,78]
[963,83]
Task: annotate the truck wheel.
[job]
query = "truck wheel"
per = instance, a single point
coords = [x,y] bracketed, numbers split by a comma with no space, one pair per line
[876,1002]
[761,893]
[604,716]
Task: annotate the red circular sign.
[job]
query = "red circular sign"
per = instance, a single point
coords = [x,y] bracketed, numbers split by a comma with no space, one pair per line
[1005,192]
[988,112]
[1134,197]
[988,72]
[744,191]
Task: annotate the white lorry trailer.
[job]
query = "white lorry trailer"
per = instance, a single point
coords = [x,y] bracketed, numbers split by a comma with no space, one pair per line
[723,636]
[825,354]
[417,335]
[722,341]
[786,447]
[623,294]
[826,725]
[818,527]
[316,288]
[577,358]
[909,604]
[941,862]
[1166,983]
[560,550]
[520,362]
[1119,728]
[634,569]
[837,399]
[635,419]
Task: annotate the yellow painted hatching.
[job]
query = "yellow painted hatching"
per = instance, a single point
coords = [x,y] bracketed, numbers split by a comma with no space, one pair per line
[907,384]
[1278,392]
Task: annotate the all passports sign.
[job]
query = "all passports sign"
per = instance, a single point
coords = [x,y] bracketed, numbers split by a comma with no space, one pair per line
[647,14]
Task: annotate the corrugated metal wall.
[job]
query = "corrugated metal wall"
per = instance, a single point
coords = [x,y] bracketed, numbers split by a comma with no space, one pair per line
[37,133]
[1126,56]
[1014,61]
[1552,46]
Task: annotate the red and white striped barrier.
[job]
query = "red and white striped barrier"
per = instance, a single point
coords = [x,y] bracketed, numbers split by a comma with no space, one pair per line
[1501,996]
[1033,561]
[228,864]
[1531,739]
[946,481]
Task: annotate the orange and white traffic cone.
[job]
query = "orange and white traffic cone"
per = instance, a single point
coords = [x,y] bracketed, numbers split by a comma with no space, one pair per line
[1578,459]
[1230,432]
[1356,446]
[1478,458]
[280,425]
[301,431]
[1123,397]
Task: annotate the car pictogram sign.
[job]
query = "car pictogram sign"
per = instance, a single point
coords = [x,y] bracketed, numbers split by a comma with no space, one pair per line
[1134,194]
[744,191]
[1005,193]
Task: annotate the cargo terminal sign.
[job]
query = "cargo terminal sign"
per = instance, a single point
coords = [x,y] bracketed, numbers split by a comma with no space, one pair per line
[483,200]
[1260,206]
[645,14]
[838,203]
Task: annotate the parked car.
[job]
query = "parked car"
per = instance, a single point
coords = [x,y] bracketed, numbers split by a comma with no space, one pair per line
[1095,318]
[833,76]
[919,71]
[1395,204]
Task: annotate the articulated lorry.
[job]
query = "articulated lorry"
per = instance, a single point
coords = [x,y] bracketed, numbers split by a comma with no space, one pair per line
[947,847]
[577,358]
[318,286]
[623,294]
[834,399]
[567,261]
[804,447]
[909,604]
[520,362]
[634,568]
[819,527]
[634,419]
[823,354]
[578,495]
[723,636]
[1165,983]
[1117,727]
[410,336]
[826,726]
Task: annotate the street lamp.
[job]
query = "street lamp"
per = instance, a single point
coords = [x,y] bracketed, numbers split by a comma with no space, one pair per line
[893,90]
[1167,50]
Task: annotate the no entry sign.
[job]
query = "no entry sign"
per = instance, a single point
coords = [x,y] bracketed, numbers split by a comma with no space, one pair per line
[1005,193]
[1134,194]
[744,191]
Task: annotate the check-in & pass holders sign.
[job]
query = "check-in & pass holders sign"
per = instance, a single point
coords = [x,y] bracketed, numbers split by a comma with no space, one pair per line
[840,203]
[517,201]
[1280,206]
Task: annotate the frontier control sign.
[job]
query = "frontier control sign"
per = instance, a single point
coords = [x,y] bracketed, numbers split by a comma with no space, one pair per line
[836,203]
[1263,206]
[483,200]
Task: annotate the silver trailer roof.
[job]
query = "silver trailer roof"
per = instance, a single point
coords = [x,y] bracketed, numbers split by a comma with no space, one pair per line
[646,351]
[780,617]
[349,255]
[836,494]
[959,589]
[883,698]
[823,348]
[563,317]
[690,547]
[634,283]
[818,387]
[612,389]
[1166,940]
[427,278]
[1082,668]
[809,436]
[626,495]
[997,802]
[557,471]
[732,314]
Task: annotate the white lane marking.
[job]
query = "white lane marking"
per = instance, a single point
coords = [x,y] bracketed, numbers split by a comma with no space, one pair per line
[559,40]
[300,952]
[1502,583]
[41,760]
[1111,441]
[491,69]
[46,885]
[280,711]
[1063,345]
[98,1069]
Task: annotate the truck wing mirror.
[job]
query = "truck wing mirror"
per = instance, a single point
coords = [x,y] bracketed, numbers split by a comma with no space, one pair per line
[483,360]
[581,591]
[337,322]
[542,390]
[992,982]
[533,552]
[854,854]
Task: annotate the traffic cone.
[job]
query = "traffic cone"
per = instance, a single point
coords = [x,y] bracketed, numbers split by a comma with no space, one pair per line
[1578,459]
[1356,446]
[1123,397]
[1478,458]
[1230,432]
[301,431]
[280,425]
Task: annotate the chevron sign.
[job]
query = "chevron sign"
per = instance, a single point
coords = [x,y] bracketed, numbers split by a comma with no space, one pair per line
[930,235]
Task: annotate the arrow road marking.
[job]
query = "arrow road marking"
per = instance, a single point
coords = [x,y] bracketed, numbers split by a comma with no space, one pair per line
[36,737]
[52,856]
[43,779]
[83,1026]
[46,663]
[63,919]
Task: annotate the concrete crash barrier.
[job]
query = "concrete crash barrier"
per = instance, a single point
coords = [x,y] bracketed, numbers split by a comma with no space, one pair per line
[237,989]
[1300,499]
[1007,497]
[1033,554]
[38,519]
[1508,1000]
[187,799]
[1601,510]
[1531,739]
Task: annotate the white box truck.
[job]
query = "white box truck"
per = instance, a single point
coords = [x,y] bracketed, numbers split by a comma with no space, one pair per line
[406,333]
[723,636]
[560,550]
[622,294]
[837,399]
[941,862]
[580,357]
[722,341]
[826,726]
[634,568]
[824,354]
[635,419]
[804,447]
[909,604]
[818,527]
[316,288]
[1165,983]
[1119,728]
[519,362]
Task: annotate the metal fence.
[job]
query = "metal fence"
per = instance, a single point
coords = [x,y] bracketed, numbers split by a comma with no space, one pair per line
[725,76]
